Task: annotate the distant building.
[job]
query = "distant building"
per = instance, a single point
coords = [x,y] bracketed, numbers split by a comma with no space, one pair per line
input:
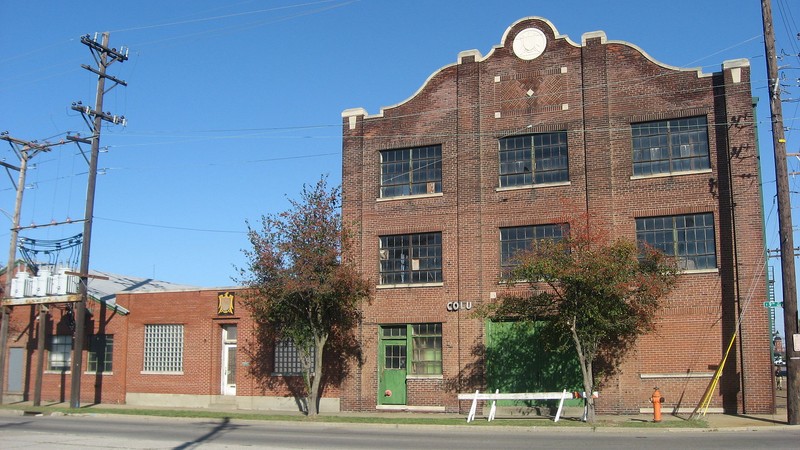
[493,152]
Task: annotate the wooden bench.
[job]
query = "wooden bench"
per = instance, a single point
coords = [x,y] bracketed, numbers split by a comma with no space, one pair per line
[561,396]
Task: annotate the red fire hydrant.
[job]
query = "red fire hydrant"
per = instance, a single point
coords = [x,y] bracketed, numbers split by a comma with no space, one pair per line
[656,400]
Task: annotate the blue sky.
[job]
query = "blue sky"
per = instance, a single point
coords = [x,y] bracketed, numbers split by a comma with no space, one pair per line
[233,106]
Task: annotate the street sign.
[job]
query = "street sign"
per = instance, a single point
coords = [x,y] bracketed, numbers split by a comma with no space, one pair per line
[773,304]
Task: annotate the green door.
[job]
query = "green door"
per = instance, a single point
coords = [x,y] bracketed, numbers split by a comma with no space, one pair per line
[523,357]
[392,380]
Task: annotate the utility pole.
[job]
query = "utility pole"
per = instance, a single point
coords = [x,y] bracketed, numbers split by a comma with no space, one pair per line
[104,57]
[25,150]
[788,275]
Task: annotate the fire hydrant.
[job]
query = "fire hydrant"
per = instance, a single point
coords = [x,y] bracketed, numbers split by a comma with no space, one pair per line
[656,400]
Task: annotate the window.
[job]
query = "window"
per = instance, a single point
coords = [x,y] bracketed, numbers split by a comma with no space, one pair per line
[690,238]
[426,345]
[287,358]
[101,350]
[411,171]
[411,258]
[163,348]
[533,159]
[60,352]
[515,239]
[670,146]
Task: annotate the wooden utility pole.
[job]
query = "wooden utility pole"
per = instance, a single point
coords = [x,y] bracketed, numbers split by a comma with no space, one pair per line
[104,56]
[25,150]
[788,275]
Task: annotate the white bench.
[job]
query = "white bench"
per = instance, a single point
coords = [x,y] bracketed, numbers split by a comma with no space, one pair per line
[561,396]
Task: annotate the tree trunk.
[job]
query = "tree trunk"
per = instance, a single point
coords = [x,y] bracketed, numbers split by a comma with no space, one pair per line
[313,392]
[588,383]
[586,372]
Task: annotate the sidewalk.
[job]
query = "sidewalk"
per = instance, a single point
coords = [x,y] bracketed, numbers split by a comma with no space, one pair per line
[714,421]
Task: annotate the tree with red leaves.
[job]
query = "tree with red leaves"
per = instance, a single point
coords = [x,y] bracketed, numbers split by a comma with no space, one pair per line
[603,293]
[303,288]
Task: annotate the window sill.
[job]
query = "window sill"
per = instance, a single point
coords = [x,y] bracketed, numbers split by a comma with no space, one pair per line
[57,372]
[424,377]
[98,373]
[408,285]
[699,271]
[160,373]
[409,197]
[533,186]
[670,174]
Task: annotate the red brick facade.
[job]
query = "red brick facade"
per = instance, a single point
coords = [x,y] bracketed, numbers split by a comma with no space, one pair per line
[198,383]
[594,91]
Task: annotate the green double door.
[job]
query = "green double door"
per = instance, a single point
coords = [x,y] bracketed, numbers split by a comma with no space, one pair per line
[392,370]
[522,357]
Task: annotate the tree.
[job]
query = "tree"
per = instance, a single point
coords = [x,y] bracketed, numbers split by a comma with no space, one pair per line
[303,288]
[601,292]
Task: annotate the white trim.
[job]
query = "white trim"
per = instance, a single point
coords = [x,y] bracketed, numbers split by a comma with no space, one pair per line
[424,377]
[408,285]
[647,376]
[533,186]
[670,174]
[409,197]
[700,271]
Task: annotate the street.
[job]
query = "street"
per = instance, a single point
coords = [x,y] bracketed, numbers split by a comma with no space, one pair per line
[134,432]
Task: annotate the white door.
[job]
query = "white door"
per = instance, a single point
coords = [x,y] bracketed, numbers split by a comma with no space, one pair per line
[228,360]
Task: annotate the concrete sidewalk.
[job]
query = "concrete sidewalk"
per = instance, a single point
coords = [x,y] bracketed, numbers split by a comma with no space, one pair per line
[714,421]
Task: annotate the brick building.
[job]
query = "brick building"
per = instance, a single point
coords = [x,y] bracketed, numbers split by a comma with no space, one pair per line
[491,153]
[154,343]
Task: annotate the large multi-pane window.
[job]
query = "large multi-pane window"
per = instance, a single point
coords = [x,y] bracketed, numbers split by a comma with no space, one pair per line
[426,349]
[411,171]
[533,159]
[670,146]
[287,358]
[425,342]
[101,352]
[411,258]
[690,238]
[516,239]
[163,348]
[60,352]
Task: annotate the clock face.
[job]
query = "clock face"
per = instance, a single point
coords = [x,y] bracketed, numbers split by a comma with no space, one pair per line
[529,43]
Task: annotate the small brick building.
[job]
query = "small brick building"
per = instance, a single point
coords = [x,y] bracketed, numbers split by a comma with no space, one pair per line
[491,153]
[153,343]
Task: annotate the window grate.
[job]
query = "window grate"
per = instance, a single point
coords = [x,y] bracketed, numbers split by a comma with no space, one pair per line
[60,353]
[669,146]
[534,159]
[101,352]
[411,258]
[287,358]
[163,348]
[690,238]
[411,171]
[517,239]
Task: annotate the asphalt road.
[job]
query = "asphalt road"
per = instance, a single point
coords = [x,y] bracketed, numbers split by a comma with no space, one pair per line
[133,432]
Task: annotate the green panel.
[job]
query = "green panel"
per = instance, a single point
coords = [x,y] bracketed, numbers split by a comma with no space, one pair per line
[392,377]
[521,357]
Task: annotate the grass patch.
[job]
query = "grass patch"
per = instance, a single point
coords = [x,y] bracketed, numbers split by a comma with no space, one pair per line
[363,418]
